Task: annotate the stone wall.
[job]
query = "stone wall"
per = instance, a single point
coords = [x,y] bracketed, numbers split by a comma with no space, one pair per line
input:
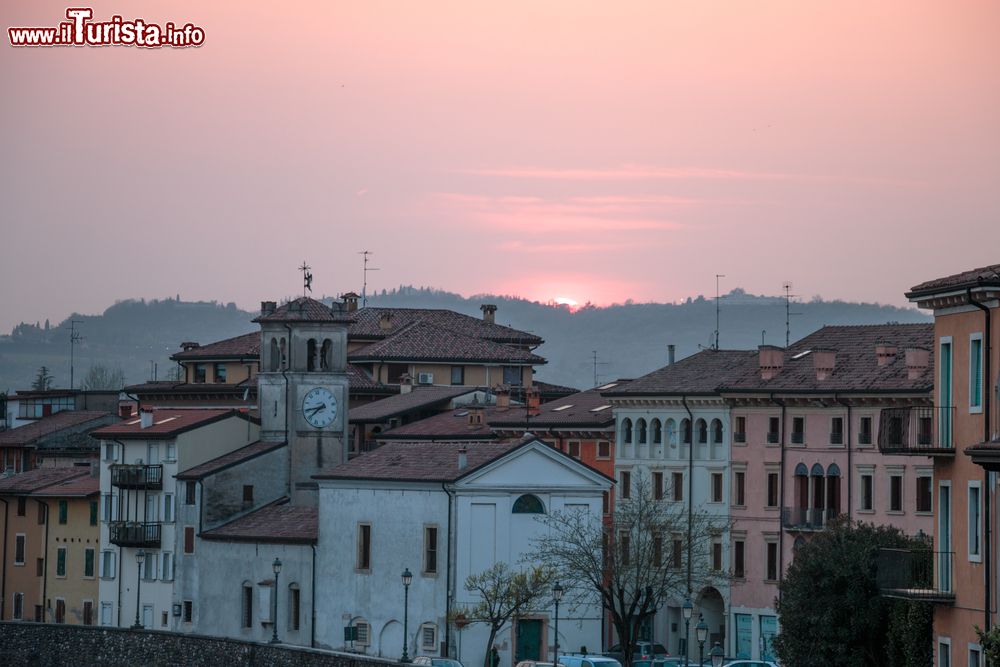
[46,644]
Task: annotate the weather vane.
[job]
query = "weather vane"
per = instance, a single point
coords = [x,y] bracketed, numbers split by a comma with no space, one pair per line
[307,278]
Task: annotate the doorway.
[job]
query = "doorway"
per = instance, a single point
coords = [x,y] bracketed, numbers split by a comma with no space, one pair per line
[529,640]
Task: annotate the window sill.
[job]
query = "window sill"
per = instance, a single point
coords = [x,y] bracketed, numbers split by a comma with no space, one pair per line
[924,512]
[771,509]
[738,507]
[865,511]
[978,560]
[896,512]
[429,575]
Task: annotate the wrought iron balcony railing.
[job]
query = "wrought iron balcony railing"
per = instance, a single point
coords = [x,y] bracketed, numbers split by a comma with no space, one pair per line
[919,431]
[916,574]
[137,476]
[806,518]
[135,534]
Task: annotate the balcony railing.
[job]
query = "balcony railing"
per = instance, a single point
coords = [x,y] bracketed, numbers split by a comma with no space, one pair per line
[772,438]
[916,574]
[135,534]
[836,437]
[798,437]
[739,436]
[806,518]
[137,476]
[920,431]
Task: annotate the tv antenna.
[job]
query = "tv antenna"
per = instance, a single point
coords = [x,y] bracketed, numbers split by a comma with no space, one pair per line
[307,277]
[364,284]
[717,298]
[596,364]
[74,339]
[787,286]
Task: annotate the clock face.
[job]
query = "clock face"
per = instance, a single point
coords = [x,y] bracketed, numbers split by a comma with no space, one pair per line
[319,407]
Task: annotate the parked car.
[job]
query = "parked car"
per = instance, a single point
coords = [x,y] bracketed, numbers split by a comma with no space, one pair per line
[587,660]
[659,662]
[750,663]
[534,663]
[642,651]
[427,661]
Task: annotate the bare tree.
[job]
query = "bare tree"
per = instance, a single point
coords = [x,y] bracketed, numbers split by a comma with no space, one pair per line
[636,562]
[504,594]
[102,377]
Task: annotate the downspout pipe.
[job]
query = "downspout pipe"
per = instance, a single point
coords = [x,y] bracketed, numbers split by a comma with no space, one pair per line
[781,493]
[312,602]
[987,533]
[288,402]
[3,567]
[447,576]
[850,475]
[690,490]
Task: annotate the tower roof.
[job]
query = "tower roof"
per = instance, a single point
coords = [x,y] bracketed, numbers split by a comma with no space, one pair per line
[305,309]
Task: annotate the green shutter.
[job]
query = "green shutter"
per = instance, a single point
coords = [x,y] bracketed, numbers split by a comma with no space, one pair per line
[63,511]
[93,512]
[61,563]
[976,374]
[88,563]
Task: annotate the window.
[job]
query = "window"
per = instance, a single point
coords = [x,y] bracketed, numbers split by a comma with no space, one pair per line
[18,606]
[246,619]
[458,374]
[740,433]
[717,556]
[944,652]
[364,633]
[171,450]
[428,638]
[512,375]
[640,427]
[686,431]
[190,492]
[294,607]
[716,432]
[22,506]
[167,566]
[657,551]
[574,449]
[837,431]
[924,486]
[41,514]
[603,449]
[895,493]
[199,372]
[61,562]
[676,553]
[108,564]
[677,486]
[702,432]
[220,373]
[772,561]
[93,512]
[865,431]
[149,567]
[188,539]
[976,373]
[60,610]
[716,487]
[39,613]
[867,492]
[657,429]
[657,486]
[625,484]
[772,430]
[168,508]
[627,431]
[528,504]
[772,489]
[105,613]
[606,502]
[430,549]
[188,612]
[975,656]
[364,546]
[740,488]
[109,451]
[19,549]
[975,524]
[39,567]
[739,559]
[89,556]
[248,493]
[625,548]
[798,430]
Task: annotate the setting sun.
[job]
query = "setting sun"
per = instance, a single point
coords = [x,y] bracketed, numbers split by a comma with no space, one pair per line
[566,301]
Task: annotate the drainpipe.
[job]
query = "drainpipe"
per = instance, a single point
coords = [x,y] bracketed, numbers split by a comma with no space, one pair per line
[447,578]
[690,490]
[988,533]
[781,493]
[45,569]
[3,567]
[850,474]
[312,602]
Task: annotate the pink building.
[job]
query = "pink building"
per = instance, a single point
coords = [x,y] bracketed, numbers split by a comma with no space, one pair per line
[814,428]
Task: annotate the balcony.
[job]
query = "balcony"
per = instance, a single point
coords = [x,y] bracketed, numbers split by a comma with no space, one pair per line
[837,438]
[805,518]
[917,431]
[139,476]
[135,534]
[772,438]
[919,574]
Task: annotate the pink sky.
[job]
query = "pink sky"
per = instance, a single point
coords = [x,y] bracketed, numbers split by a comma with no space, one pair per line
[592,150]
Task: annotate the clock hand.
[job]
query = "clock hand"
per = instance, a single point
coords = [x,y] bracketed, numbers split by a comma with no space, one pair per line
[316,409]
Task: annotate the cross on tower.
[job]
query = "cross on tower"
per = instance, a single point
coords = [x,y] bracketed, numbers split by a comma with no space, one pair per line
[307,278]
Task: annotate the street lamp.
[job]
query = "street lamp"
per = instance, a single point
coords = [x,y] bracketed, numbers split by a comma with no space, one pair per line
[140,558]
[687,609]
[557,593]
[717,655]
[702,632]
[276,566]
[407,578]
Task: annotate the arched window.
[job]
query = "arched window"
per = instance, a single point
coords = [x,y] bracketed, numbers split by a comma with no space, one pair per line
[275,356]
[717,431]
[702,432]
[671,429]
[283,348]
[311,355]
[657,431]
[627,431]
[801,470]
[640,426]
[817,470]
[326,355]
[833,470]
[528,504]
[294,606]
[686,431]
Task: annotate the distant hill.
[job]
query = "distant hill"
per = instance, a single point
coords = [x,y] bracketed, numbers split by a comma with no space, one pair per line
[630,339]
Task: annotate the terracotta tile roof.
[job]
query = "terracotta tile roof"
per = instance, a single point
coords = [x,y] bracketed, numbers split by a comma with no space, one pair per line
[278,522]
[233,458]
[583,410]
[550,391]
[79,486]
[856,368]
[30,433]
[989,275]
[238,347]
[167,423]
[165,388]
[421,461]
[368,321]
[450,425]
[423,341]
[361,382]
[699,374]
[419,398]
[307,309]
[39,478]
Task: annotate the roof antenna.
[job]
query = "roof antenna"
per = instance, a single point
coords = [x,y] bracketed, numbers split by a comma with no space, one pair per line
[74,340]
[596,364]
[307,278]
[787,286]
[717,297]
[364,284]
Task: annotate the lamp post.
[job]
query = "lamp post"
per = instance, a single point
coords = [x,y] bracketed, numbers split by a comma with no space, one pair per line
[702,632]
[687,609]
[276,566]
[557,593]
[407,578]
[140,557]
[717,655]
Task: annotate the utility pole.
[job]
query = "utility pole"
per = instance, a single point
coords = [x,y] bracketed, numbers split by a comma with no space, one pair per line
[364,284]
[717,297]
[74,340]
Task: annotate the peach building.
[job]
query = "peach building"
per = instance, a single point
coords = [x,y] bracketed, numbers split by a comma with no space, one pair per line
[966,310]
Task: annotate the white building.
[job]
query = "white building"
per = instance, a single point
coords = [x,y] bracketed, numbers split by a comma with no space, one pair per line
[444,512]
[139,499]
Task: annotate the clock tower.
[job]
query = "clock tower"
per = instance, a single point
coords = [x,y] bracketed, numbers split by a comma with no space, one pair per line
[303,387]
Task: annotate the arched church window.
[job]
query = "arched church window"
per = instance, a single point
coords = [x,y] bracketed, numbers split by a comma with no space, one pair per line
[326,355]
[528,504]
[311,355]
[275,356]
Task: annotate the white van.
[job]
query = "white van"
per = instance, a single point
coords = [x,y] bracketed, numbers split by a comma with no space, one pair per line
[580,660]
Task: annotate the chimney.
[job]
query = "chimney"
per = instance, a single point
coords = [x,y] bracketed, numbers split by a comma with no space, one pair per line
[917,361]
[503,398]
[189,345]
[670,354]
[125,410]
[885,354]
[385,321]
[772,360]
[268,307]
[533,399]
[405,383]
[476,414]
[824,361]
[351,301]
[463,458]
[145,418]
[489,312]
